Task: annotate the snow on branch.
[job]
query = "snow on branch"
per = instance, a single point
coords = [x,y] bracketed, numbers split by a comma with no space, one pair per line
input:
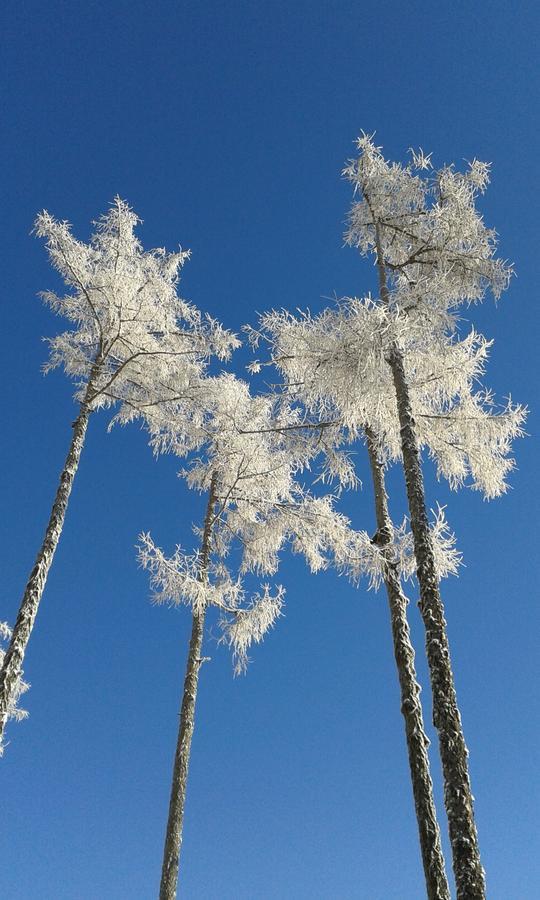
[424,222]
[133,340]
[14,710]
[252,453]
[367,559]
[249,626]
[335,364]
[310,525]
[447,557]
[178,579]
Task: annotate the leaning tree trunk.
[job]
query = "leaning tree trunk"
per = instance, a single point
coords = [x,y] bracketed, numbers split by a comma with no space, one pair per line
[13,660]
[411,708]
[468,871]
[458,798]
[173,836]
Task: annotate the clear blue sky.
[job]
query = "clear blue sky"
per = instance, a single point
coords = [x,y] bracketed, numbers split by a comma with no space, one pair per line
[225,125]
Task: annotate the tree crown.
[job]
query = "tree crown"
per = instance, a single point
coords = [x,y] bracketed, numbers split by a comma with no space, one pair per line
[423,226]
[133,339]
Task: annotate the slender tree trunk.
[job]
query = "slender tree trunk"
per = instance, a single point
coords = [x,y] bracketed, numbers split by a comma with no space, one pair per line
[468,871]
[14,657]
[411,708]
[173,836]
[458,798]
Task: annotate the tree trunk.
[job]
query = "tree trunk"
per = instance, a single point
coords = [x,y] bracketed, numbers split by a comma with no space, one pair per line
[411,708]
[173,836]
[14,657]
[468,871]
[458,798]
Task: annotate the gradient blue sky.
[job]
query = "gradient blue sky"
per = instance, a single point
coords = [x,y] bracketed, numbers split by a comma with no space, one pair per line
[226,125]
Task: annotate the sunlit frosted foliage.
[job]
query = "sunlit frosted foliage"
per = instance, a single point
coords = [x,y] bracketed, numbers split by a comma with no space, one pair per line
[366,558]
[250,625]
[253,450]
[14,710]
[425,226]
[177,579]
[256,450]
[132,336]
[336,364]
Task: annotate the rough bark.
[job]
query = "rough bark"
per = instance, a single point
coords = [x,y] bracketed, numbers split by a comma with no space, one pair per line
[417,741]
[14,657]
[173,836]
[468,871]
[458,798]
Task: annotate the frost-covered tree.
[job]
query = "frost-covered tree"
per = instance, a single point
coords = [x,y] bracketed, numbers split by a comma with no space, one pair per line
[336,362]
[433,252]
[398,367]
[132,341]
[251,451]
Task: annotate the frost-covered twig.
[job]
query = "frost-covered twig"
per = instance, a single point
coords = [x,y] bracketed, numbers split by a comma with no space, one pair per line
[14,710]
[249,625]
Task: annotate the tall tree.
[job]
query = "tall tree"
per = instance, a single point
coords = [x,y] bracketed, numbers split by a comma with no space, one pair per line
[247,457]
[432,251]
[132,338]
[398,367]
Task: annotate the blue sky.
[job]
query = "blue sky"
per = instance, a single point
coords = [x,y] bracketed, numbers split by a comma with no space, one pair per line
[226,126]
